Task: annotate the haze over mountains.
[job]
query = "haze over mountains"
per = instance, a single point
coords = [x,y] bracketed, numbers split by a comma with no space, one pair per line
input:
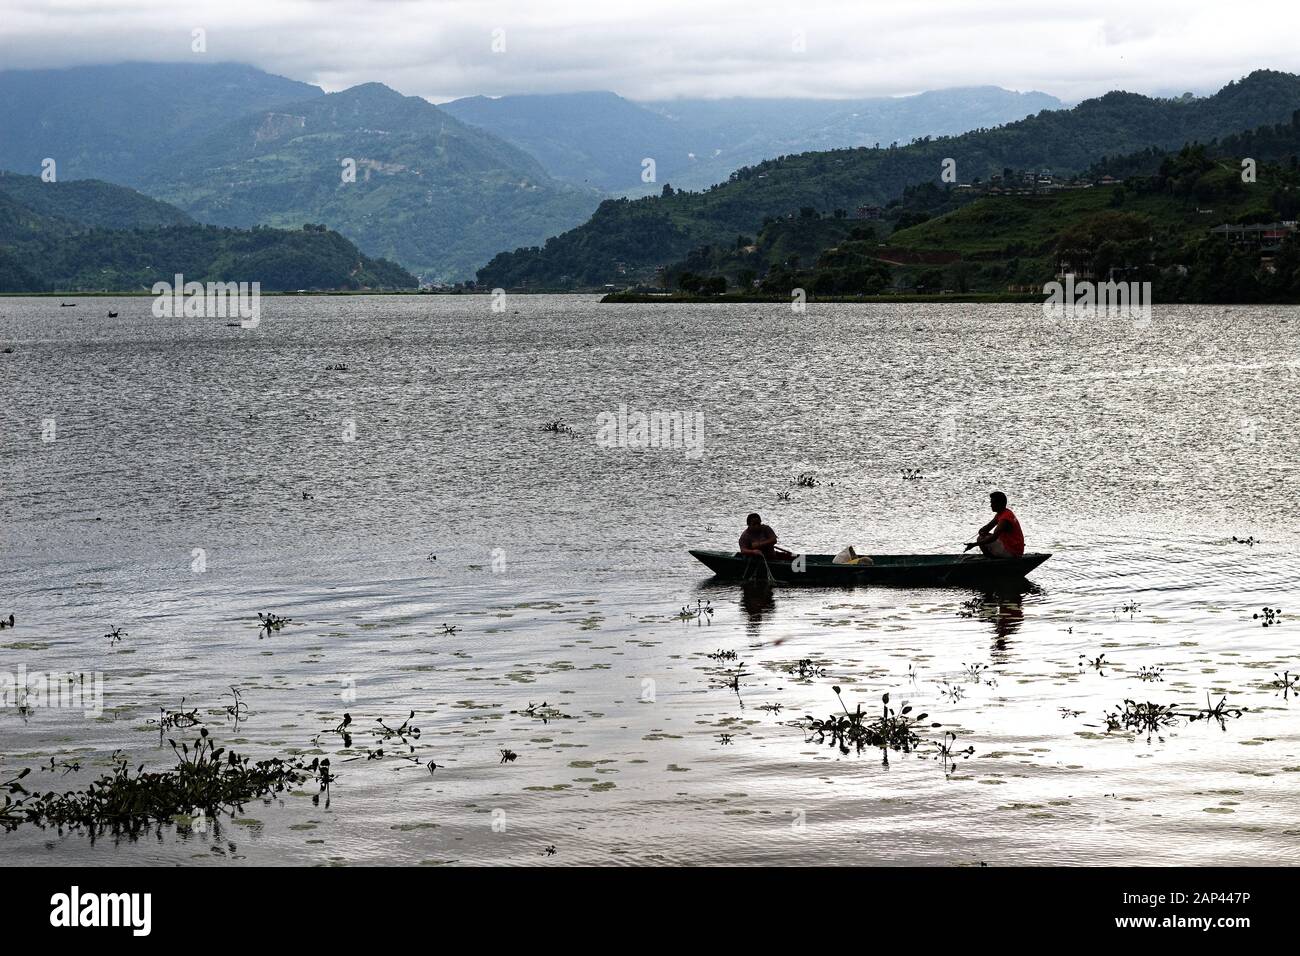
[601,139]
[438,189]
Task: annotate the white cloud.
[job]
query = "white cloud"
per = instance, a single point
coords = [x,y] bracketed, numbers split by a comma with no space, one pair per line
[666,48]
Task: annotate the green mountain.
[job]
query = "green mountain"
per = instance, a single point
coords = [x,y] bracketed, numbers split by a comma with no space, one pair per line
[430,191]
[600,139]
[94,236]
[1157,228]
[233,146]
[29,204]
[630,238]
[121,122]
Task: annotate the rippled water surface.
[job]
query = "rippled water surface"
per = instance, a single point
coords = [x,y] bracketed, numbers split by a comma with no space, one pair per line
[439,552]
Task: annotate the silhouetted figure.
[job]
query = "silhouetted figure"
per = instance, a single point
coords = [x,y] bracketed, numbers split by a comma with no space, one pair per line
[758,540]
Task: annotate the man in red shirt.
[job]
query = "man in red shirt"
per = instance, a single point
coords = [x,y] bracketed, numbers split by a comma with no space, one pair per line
[759,539]
[1001,537]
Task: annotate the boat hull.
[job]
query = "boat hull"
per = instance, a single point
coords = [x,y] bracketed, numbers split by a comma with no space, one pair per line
[904,570]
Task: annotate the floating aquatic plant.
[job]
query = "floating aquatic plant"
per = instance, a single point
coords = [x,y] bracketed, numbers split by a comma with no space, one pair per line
[806,479]
[721,655]
[206,778]
[730,678]
[6,622]
[270,622]
[1271,616]
[701,612]
[1150,673]
[1098,663]
[1145,715]
[508,756]
[724,739]
[953,692]
[1250,542]
[911,474]
[543,712]
[858,729]
[115,636]
[182,718]
[557,427]
[971,607]
[783,496]
[1128,607]
[948,754]
[1220,711]
[1287,683]
[449,629]
[238,710]
[974,672]
[806,669]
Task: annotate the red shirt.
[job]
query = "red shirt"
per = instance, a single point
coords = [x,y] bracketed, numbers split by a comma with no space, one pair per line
[1009,533]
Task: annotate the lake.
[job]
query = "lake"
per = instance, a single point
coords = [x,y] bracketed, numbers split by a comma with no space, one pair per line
[438,551]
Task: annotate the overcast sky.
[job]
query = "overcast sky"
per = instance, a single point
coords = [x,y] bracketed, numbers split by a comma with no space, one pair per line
[659,49]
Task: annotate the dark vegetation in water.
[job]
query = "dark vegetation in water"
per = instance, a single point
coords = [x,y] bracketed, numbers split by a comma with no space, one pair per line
[1271,616]
[910,474]
[701,612]
[1249,542]
[179,718]
[1148,673]
[857,730]
[206,778]
[806,479]
[1128,607]
[948,752]
[1098,663]
[238,710]
[115,636]
[721,655]
[6,622]
[270,622]
[806,669]
[543,712]
[1150,717]
[557,427]
[508,756]
[1287,683]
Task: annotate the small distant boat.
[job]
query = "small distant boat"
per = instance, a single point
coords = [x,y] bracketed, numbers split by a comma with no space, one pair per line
[112,315]
[910,570]
[67,305]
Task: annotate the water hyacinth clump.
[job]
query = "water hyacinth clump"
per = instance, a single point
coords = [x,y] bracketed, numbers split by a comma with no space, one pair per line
[858,729]
[206,778]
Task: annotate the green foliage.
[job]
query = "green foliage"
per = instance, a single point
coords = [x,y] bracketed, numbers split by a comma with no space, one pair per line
[430,192]
[656,231]
[66,247]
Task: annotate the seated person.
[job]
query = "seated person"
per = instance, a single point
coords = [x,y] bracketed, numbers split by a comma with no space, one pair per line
[1001,537]
[759,540]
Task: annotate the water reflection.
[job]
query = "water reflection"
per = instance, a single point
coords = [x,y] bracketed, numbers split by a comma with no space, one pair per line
[758,602]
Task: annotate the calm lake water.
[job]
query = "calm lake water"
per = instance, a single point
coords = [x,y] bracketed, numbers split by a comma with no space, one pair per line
[438,552]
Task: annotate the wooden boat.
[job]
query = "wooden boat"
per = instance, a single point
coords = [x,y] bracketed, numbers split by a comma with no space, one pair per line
[912,570]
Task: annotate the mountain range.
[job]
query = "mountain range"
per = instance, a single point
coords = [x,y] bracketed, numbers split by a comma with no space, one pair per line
[439,189]
[627,240]
[601,139]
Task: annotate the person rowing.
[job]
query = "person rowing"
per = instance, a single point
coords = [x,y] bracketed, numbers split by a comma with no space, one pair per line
[758,540]
[1001,537]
